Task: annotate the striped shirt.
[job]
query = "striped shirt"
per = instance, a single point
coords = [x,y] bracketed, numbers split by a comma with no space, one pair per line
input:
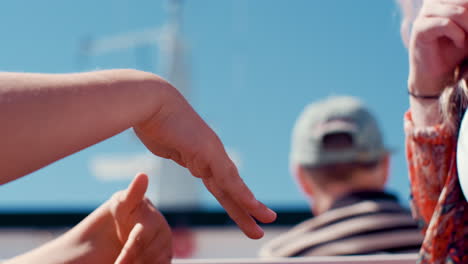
[360,223]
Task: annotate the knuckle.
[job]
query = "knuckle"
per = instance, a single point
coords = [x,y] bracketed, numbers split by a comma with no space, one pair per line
[221,195]
[445,22]
[118,196]
[231,168]
[426,7]
[416,29]
[198,166]
[222,182]
[459,11]
[230,171]
[138,243]
[147,201]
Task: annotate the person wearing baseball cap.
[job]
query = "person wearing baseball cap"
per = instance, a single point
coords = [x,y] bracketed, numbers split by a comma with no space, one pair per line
[341,163]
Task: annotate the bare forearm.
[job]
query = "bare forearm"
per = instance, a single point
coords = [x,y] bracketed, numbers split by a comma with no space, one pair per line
[59,251]
[47,117]
[91,241]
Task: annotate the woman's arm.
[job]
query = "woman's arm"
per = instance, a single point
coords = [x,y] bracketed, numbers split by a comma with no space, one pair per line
[45,117]
[438,44]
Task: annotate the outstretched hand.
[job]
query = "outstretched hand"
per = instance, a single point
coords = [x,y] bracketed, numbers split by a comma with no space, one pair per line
[177,132]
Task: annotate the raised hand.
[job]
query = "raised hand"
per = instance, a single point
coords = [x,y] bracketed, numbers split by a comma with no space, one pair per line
[125,229]
[141,229]
[438,44]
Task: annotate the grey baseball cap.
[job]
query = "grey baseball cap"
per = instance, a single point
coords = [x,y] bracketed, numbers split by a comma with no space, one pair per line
[336,115]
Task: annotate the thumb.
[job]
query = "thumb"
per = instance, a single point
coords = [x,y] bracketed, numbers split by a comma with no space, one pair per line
[135,191]
[124,202]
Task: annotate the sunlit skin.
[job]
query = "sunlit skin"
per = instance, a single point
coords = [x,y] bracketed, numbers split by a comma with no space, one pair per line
[321,198]
[125,229]
[58,115]
[437,45]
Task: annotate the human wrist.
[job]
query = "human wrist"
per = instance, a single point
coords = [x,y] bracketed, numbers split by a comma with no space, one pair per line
[423,96]
[425,87]
[425,76]
[155,92]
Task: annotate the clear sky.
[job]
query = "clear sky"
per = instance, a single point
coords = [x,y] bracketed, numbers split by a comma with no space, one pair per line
[254,66]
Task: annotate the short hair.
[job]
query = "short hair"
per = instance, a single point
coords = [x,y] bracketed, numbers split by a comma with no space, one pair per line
[338,172]
[454,99]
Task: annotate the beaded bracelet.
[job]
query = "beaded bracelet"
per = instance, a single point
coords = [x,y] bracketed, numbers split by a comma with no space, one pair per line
[428,97]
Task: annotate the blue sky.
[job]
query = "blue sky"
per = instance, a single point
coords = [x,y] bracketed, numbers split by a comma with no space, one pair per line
[254,66]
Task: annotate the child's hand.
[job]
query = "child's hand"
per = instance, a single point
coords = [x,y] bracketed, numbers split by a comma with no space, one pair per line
[127,229]
[141,229]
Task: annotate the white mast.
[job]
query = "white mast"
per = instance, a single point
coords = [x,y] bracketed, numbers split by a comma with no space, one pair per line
[171,186]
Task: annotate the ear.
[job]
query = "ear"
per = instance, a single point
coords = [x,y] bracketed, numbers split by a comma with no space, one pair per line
[303,180]
[385,168]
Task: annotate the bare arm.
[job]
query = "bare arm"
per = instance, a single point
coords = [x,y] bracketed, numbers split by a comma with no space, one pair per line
[45,117]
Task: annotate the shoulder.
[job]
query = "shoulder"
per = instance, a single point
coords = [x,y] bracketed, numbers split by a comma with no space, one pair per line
[280,246]
[363,228]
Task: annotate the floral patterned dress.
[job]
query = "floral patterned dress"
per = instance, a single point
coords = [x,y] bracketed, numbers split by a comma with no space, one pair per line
[437,200]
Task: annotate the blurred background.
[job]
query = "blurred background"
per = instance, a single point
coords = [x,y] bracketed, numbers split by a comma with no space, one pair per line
[248,67]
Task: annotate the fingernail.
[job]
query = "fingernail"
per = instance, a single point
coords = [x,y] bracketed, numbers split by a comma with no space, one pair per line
[258,232]
[271,212]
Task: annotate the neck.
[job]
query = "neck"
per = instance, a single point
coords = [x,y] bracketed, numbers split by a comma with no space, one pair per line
[324,200]
[322,204]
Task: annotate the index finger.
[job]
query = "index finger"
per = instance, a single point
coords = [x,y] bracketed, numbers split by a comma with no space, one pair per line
[228,181]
